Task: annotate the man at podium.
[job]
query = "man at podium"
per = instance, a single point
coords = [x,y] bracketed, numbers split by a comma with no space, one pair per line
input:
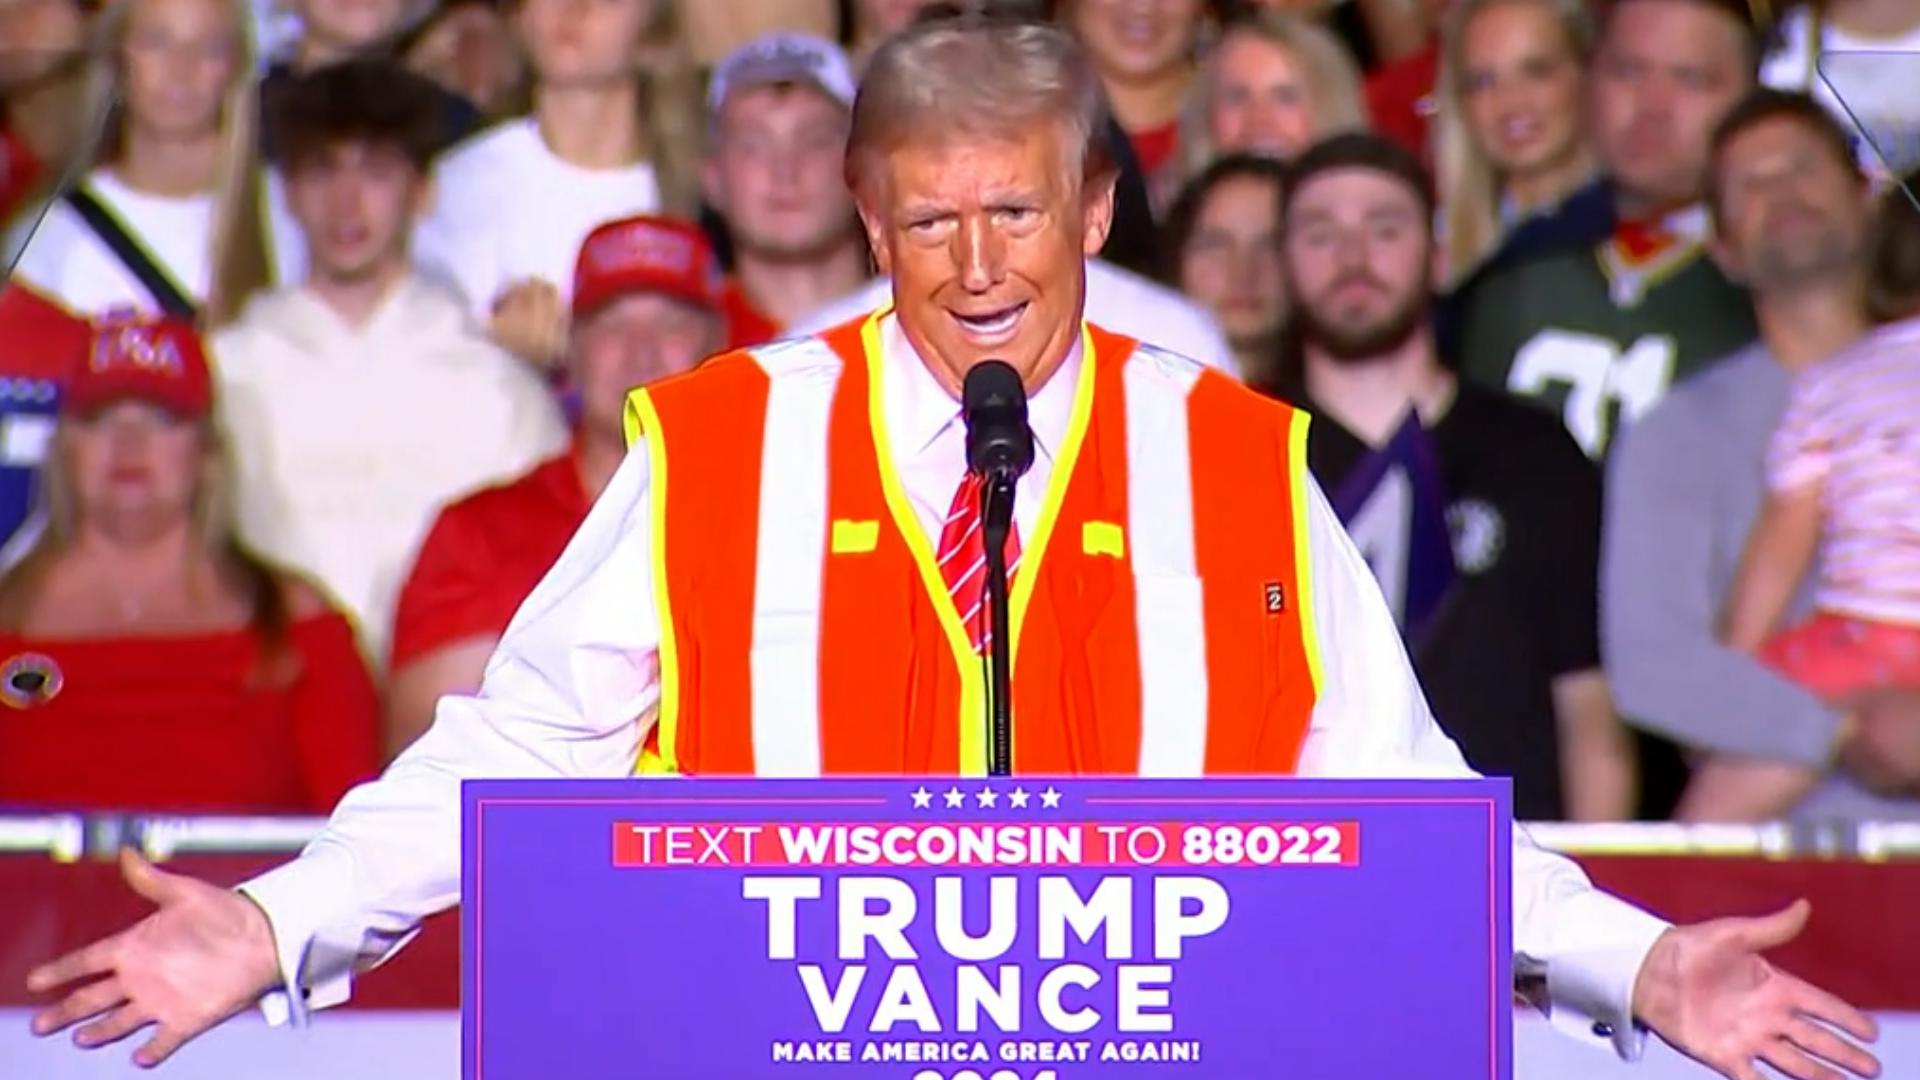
[783,580]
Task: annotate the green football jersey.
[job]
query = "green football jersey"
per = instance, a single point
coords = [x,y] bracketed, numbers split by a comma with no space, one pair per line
[1597,336]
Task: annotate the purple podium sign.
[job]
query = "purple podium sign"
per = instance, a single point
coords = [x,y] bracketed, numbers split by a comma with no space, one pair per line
[1003,929]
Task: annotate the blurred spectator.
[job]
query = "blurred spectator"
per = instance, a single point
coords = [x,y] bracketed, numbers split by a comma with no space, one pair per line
[1687,480]
[1479,516]
[364,398]
[169,217]
[1222,244]
[331,31]
[1843,477]
[1146,52]
[159,663]
[873,21]
[1400,93]
[1627,304]
[42,94]
[468,48]
[39,343]
[1847,54]
[1376,32]
[715,29]
[647,305]
[775,173]
[614,132]
[1274,85]
[1511,143]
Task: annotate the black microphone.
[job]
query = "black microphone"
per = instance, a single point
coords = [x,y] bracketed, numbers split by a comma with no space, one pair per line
[999,442]
[1000,449]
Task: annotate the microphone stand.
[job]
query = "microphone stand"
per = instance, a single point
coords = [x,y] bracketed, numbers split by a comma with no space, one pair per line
[997,520]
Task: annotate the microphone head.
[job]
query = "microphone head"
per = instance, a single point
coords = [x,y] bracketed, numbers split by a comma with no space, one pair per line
[994,400]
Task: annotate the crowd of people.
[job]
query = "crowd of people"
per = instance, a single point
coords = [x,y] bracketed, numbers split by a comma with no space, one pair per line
[322,317]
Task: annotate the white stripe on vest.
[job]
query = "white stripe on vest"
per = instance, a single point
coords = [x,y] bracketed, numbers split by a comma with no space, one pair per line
[1168,608]
[785,662]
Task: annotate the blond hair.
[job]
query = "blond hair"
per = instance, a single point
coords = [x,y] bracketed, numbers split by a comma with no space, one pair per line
[1468,185]
[1335,93]
[241,244]
[979,75]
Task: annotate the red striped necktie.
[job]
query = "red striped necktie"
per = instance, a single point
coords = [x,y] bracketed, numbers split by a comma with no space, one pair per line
[963,560]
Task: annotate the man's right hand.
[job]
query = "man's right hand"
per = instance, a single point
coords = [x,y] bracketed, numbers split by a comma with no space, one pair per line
[206,954]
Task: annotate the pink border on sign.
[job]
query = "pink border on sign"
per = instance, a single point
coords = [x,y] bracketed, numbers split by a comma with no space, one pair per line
[479,859]
[1493,884]
[1493,877]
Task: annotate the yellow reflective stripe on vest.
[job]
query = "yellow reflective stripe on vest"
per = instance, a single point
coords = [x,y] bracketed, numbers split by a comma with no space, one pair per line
[1301,482]
[789,567]
[643,425]
[973,691]
[1033,550]
[1169,612]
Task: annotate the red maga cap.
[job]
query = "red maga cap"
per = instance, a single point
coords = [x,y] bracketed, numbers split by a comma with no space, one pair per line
[159,361]
[646,254]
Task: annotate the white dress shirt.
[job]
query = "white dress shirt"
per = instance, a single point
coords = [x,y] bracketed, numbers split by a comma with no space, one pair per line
[569,694]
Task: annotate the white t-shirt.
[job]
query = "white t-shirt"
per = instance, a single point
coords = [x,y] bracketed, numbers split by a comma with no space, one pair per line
[67,260]
[62,255]
[506,209]
[1865,81]
[1117,300]
[348,440]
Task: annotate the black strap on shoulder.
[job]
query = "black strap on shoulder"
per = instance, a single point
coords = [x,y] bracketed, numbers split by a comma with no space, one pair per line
[112,233]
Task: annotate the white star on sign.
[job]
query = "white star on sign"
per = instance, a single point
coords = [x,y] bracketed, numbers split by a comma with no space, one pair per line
[955,798]
[922,798]
[1050,799]
[1017,798]
[987,796]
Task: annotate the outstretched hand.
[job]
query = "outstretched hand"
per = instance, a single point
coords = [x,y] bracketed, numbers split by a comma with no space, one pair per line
[203,956]
[1707,991]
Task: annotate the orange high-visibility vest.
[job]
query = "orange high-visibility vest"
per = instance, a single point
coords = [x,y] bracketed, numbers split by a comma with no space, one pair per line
[1160,616]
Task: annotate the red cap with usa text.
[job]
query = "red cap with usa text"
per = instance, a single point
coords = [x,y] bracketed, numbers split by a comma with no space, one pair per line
[158,361]
[646,254]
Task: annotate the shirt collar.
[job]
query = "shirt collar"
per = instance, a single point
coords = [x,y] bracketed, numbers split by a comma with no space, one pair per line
[927,411]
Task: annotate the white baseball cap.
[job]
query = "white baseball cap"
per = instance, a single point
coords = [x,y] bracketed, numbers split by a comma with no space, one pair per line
[783,58]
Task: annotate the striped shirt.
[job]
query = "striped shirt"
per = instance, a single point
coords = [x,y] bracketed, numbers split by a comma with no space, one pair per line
[1852,427]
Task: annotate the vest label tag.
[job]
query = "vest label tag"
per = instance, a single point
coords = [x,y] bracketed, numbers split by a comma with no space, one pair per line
[855,537]
[1276,598]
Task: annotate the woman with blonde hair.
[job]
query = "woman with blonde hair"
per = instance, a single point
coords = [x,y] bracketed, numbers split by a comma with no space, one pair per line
[149,661]
[1510,141]
[169,216]
[613,132]
[1274,84]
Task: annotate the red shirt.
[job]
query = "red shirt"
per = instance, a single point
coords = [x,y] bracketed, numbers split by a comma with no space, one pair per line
[39,339]
[746,326]
[20,173]
[1400,97]
[1154,147]
[181,724]
[484,555]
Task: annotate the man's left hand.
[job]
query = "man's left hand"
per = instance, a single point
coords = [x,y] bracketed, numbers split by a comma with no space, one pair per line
[1707,991]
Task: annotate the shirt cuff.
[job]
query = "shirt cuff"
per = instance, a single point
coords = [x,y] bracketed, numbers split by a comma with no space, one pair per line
[318,950]
[1590,990]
